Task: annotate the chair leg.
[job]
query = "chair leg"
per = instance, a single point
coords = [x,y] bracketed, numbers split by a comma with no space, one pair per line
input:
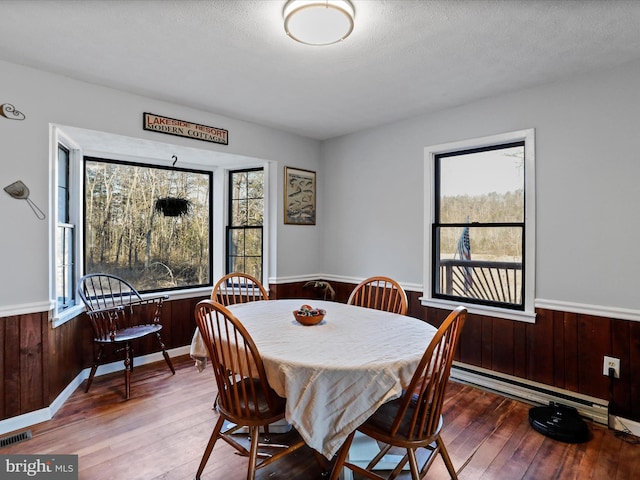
[210,445]
[413,464]
[253,452]
[446,459]
[94,368]
[166,356]
[128,366]
[342,456]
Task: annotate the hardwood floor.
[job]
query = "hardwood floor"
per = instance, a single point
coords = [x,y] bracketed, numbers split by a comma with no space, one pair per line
[161,432]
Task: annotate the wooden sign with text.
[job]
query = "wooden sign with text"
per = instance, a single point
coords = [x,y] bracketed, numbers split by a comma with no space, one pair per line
[172,126]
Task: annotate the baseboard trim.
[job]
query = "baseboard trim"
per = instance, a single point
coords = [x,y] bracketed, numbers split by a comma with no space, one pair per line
[44,414]
[535,393]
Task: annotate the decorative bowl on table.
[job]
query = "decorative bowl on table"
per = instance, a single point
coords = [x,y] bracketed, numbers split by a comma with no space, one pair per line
[307,315]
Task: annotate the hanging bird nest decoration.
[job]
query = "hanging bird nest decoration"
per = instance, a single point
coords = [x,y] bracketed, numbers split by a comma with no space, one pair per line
[172,206]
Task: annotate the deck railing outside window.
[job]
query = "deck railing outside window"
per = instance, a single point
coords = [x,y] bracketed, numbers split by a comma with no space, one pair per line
[482,280]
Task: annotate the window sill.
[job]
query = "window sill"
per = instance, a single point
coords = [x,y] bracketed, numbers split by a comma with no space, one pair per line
[66,315]
[181,294]
[521,316]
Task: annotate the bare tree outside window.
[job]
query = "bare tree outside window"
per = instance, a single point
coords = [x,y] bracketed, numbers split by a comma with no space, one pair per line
[127,233]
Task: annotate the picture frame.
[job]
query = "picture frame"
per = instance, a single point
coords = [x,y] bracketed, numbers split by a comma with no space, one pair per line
[299,196]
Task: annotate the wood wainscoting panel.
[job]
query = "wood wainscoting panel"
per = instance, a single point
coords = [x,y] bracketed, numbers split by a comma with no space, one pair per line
[503,337]
[567,323]
[633,372]
[471,341]
[69,348]
[10,397]
[540,349]
[183,322]
[560,349]
[31,366]
[38,361]
[625,345]
[24,379]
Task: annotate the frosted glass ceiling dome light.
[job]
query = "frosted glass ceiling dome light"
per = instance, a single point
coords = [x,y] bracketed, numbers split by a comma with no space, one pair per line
[318,22]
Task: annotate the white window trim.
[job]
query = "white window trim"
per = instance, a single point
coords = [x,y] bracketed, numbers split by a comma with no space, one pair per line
[75,186]
[528,135]
[222,221]
[220,196]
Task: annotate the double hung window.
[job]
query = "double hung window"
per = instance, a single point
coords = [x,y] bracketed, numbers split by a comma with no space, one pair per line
[480,237]
[66,233]
[245,224]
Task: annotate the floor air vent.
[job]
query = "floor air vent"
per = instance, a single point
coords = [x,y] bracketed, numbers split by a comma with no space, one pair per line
[16,438]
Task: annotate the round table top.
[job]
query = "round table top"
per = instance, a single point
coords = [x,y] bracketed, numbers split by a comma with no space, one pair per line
[335,374]
[349,337]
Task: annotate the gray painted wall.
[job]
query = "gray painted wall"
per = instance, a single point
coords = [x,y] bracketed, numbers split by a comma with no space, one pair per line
[24,154]
[587,174]
[370,184]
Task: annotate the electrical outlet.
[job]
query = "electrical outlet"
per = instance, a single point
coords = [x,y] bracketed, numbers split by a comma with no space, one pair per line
[611,362]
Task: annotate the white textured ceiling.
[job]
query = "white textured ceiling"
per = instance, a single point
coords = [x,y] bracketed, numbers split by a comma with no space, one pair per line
[404,58]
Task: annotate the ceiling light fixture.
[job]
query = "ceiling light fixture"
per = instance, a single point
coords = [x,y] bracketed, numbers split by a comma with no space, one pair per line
[318,22]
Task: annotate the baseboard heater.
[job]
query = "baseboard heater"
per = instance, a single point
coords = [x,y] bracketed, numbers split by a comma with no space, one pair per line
[535,393]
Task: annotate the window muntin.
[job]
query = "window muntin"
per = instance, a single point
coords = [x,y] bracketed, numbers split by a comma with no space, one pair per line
[246,218]
[130,234]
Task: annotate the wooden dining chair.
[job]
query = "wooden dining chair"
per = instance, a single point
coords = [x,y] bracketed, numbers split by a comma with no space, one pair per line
[415,419]
[119,316]
[381,293]
[238,287]
[244,398]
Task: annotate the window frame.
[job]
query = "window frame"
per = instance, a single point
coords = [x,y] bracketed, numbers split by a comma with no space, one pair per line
[439,224]
[218,164]
[75,189]
[527,314]
[115,161]
[230,228]
[65,233]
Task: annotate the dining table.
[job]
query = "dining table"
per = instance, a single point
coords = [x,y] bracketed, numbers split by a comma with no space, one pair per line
[335,374]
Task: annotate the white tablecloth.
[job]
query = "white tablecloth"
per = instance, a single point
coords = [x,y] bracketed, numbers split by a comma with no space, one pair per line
[334,375]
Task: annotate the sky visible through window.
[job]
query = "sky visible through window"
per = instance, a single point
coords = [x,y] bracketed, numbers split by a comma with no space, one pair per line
[479,173]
